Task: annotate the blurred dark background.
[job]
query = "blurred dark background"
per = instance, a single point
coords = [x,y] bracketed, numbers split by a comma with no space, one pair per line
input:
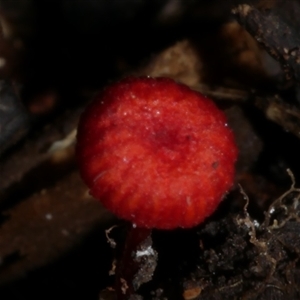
[54,56]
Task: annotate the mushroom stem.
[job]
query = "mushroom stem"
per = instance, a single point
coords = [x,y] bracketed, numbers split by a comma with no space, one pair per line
[137,262]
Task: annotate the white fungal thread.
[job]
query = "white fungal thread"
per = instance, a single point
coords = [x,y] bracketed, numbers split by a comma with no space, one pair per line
[147,252]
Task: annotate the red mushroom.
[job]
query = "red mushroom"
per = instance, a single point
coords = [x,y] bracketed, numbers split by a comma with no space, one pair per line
[156,153]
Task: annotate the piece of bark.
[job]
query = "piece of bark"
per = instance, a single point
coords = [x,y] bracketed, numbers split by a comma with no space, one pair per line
[14,119]
[278,38]
[280,112]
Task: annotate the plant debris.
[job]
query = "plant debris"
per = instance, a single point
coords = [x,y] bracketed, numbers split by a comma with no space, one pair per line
[243,258]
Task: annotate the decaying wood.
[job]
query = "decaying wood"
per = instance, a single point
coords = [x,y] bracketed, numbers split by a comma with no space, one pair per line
[281,40]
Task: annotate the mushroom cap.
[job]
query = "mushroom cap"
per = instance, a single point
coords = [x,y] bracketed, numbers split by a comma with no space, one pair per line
[156,153]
